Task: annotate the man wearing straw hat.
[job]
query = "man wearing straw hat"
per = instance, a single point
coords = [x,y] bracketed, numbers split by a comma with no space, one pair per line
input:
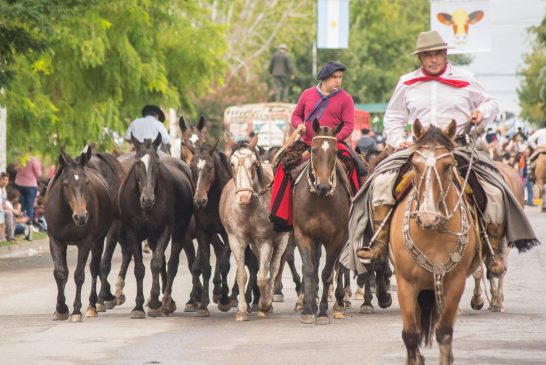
[436,93]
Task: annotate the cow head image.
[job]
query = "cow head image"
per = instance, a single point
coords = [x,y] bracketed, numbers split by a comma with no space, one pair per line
[460,20]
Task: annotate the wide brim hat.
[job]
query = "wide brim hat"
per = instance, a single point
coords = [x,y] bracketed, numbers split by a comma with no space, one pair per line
[430,41]
[153,109]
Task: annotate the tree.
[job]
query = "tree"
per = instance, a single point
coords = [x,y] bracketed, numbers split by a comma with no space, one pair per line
[532,93]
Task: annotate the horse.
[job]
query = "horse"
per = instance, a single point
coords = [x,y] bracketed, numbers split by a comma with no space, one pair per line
[192,137]
[78,211]
[155,201]
[321,203]
[540,175]
[244,211]
[433,244]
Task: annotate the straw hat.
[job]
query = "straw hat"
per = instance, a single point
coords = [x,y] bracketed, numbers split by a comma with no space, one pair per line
[430,41]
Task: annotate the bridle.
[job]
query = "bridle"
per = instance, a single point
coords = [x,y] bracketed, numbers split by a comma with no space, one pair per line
[241,165]
[311,175]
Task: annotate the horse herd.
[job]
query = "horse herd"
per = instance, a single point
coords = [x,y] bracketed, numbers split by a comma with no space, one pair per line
[96,201]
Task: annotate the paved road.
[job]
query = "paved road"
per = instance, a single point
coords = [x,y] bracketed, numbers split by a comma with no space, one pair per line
[29,336]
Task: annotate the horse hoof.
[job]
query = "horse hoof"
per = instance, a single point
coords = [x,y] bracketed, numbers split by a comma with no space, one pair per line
[120,300]
[60,316]
[224,307]
[384,301]
[307,318]
[347,304]
[322,320]
[216,298]
[298,307]
[241,316]
[278,298]
[359,295]
[262,314]
[202,313]
[476,306]
[234,303]
[190,307]
[338,315]
[153,312]
[497,308]
[254,307]
[366,309]
[91,312]
[75,318]
[137,314]
[100,307]
[109,304]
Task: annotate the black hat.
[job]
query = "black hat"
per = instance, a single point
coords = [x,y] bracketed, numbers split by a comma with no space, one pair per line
[329,69]
[153,110]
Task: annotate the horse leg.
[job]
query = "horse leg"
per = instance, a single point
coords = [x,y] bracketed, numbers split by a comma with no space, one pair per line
[217,278]
[384,298]
[252,292]
[308,254]
[189,250]
[346,286]
[202,267]
[367,306]
[224,302]
[94,267]
[411,331]
[453,291]
[238,249]
[126,256]
[279,253]
[139,270]
[157,265]
[60,272]
[497,285]
[264,258]
[477,299]
[290,259]
[168,305]
[79,278]
[105,296]
[278,296]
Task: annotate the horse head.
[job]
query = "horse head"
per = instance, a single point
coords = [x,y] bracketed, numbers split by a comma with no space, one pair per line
[203,173]
[192,137]
[323,158]
[245,165]
[146,169]
[75,184]
[434,170]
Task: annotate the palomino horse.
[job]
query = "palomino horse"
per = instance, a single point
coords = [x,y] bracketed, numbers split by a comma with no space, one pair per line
[155,201]
[78,211]
[321,205]
[244,211]
[433,244]
[513,180]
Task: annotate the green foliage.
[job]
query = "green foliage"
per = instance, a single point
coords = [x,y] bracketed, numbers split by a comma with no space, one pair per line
[532,93]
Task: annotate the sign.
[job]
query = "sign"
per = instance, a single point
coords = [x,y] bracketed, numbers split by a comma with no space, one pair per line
[463,24]
[333,24]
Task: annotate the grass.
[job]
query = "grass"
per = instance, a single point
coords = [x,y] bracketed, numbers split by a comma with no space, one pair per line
[20,239]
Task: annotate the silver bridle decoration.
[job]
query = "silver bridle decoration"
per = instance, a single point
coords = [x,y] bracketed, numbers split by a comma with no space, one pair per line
[241,164]
[311,176]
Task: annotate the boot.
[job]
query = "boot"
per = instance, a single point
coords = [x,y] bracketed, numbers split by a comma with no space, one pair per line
[378,247]
[494,263]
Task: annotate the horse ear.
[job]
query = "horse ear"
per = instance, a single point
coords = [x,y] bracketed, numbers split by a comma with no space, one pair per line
[135,141]
[201,123]
[316,125]
[157,140]
[451,130]
[182,124]
[418,129]
[340,127]
[89,153]
[253,142]
[229,145]
[213,147]
[63,159]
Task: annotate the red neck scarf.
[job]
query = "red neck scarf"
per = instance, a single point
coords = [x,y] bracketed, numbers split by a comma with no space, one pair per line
[429,77]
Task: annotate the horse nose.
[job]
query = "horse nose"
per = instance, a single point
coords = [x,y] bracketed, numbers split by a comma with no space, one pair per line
[200,203]
[323,189]
[427,221]
[80,219]
[147,203]
[244,197]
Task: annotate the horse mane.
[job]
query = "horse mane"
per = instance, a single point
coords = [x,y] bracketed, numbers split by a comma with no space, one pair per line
[437,136]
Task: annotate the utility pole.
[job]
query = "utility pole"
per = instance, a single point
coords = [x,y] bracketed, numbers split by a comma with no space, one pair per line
[3,145]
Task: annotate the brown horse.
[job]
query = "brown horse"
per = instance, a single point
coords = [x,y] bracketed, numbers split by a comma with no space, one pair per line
[321,207]
[78,211]
[433,244]
[192,137]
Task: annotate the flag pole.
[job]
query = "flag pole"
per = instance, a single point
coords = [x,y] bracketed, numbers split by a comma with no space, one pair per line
[314,50]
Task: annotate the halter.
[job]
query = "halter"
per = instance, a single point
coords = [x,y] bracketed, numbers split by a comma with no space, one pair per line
[241,164]
[312,176]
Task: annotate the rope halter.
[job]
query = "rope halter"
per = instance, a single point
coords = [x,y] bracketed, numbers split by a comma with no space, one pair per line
[241,155]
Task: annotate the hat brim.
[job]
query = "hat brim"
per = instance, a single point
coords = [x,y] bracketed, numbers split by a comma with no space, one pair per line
[431,49]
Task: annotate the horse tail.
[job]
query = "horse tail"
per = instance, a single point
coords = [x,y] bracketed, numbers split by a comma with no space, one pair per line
[427,303]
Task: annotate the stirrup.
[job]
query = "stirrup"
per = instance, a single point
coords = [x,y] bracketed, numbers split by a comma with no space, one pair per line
[365,261]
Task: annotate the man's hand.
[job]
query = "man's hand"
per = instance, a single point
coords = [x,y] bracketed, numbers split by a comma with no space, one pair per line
[301,128]
[404,144]
[476,117]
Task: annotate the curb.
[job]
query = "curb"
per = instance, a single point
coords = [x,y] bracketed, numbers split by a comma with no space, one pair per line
[25,249]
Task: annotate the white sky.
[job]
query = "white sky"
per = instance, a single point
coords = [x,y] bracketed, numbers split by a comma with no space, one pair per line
[496,70]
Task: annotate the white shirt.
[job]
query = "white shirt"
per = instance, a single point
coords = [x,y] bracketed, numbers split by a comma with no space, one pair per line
[435,103]
[147,127]
[538,138]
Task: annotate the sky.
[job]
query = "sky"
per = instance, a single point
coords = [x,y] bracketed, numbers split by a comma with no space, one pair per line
[497,70]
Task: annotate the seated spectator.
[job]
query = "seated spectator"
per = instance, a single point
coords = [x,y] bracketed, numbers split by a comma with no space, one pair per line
[16,221]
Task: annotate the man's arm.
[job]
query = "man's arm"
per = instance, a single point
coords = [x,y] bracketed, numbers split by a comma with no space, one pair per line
[396,116]
[297,114]
[348,118]
[483,102]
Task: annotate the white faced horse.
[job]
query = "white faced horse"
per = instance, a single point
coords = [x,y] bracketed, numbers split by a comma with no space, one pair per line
[244,211]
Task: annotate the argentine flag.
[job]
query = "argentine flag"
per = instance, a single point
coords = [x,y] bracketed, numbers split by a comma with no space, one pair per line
[333,24]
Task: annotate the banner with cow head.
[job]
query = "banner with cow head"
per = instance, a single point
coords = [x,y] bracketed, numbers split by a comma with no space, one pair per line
[463,24]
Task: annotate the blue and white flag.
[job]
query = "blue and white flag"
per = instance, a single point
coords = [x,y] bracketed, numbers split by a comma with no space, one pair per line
[333,24]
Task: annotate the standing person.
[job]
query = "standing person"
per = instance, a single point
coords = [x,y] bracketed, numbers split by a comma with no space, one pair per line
[331,105]
[26,181]
[435,94]
[281,69]
[149,126]
[528,179]
[4,181]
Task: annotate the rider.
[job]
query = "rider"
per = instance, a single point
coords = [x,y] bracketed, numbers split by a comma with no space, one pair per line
[328,103]
[149,126]
[436,94]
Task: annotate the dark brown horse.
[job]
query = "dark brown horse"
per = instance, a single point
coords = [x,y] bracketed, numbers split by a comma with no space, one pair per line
[321,207]
[433,244]
[78,211]
[155,204]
